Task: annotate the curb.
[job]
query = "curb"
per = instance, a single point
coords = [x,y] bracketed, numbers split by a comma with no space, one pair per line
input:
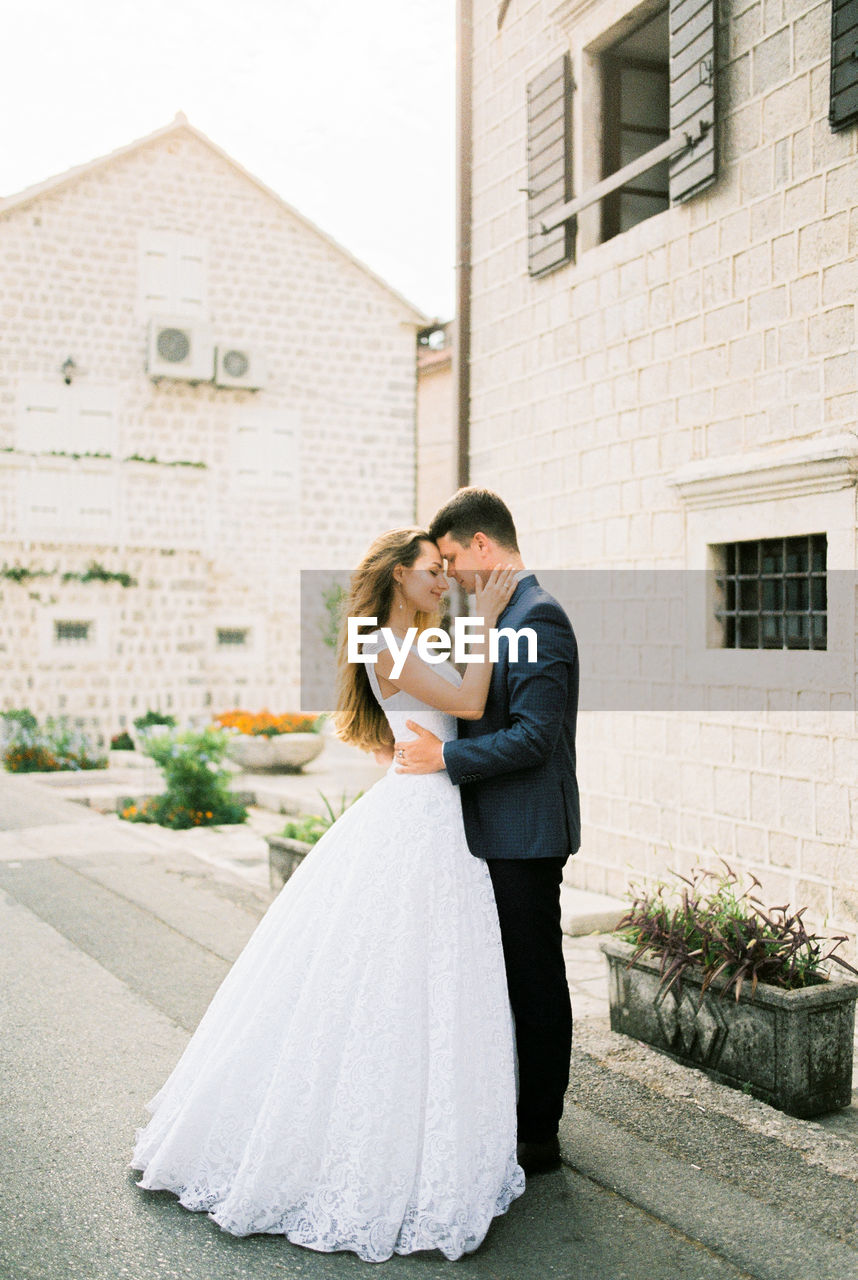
[831,1143]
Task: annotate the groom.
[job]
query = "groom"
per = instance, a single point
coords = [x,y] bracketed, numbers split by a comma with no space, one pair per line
[516,771]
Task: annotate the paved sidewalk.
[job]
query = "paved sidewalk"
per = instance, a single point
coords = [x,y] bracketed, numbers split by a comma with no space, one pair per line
[113,938]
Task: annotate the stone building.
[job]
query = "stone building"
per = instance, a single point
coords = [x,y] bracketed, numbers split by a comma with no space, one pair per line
[664,377]
[436,430]
[198,389]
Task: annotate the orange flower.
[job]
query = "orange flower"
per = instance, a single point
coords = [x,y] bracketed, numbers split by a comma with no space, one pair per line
[264,722]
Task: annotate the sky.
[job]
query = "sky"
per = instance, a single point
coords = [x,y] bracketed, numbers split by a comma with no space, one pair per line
[345,108]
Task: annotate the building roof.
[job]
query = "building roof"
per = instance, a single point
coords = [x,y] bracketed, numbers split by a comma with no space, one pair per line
[181,125]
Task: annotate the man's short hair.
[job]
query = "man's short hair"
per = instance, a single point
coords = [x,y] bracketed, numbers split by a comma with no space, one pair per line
[472,510]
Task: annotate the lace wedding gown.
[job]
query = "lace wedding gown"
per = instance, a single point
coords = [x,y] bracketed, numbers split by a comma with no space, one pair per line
[352,1084]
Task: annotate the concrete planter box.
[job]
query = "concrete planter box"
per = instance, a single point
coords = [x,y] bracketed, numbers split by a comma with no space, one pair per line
[792,1049]
[284,858]
[283,752]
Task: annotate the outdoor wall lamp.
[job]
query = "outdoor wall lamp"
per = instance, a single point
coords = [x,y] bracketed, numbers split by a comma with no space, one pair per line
[68,369]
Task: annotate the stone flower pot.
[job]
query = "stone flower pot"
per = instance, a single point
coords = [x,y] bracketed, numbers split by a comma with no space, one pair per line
[283,752]
[792,1049]
[285,856]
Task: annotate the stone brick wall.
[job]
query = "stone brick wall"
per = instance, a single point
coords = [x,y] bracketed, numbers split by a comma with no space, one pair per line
[209,546]
[719,334]
[437,455]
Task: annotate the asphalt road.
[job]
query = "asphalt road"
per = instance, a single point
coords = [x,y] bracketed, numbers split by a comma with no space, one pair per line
[107,961]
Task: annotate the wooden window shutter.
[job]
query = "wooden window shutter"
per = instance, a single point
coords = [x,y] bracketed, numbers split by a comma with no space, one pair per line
[43,419]
[248,459]
[692,95]
[843,107]
[190,276]
[157,271]
[549,166]
[266,451]
[92,428]
[173,274]
[283,457]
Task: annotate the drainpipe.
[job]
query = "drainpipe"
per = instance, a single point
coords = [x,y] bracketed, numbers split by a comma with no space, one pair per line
[462,352]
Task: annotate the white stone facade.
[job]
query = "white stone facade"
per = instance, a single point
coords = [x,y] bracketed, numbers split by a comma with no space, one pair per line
[298,474]
[437,455]
[690,382]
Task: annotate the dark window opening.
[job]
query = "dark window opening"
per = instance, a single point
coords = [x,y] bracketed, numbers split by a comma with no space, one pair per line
[72,632]
[232,635]
[636,118]
[773,593]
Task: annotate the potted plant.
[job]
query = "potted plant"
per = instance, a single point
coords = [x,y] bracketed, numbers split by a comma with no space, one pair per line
[288,849]
[717,982]
[262,741]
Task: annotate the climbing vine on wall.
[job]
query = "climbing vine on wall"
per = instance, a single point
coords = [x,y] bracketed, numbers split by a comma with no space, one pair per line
[95,572]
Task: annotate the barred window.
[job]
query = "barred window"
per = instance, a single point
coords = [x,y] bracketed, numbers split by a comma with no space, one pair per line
[66,632]
[232,635]
[772,593]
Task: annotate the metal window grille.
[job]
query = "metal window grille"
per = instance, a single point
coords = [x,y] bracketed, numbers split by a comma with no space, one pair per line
[72,632]
[232,635]
[773,593]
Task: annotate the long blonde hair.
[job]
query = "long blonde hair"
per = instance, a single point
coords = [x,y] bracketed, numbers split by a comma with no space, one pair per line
[358,718]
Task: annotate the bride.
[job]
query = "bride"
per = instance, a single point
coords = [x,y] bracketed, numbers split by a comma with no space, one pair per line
[352,1083]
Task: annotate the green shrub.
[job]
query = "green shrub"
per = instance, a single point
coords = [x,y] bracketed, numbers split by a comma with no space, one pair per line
[122,741]
[152,718]
[197,793]
[57,745]
[312,827]
[24,717]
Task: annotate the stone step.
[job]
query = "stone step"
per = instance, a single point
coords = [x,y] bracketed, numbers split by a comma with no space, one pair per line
[582,912]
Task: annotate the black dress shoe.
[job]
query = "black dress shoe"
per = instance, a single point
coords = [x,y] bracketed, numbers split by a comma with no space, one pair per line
[539,1157]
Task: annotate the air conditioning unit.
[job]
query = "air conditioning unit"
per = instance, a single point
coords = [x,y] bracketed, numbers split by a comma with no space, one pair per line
[236,366]
[182,349]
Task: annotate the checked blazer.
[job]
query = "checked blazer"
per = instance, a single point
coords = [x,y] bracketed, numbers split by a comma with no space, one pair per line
[515,767]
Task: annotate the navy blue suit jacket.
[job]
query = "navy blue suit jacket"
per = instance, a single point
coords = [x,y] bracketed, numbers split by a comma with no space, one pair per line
[515,767]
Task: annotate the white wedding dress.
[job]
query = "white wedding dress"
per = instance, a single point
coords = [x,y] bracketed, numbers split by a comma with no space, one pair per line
[352,1084]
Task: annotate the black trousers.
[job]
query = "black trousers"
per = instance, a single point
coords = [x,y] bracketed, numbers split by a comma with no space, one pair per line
[527,892]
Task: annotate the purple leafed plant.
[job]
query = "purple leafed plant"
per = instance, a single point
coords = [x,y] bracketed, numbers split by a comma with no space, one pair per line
[711,924]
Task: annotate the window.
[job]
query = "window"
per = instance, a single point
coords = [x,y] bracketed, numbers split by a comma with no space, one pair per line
[652,110]
[266,450]
[235,638]
[232,635]
[773,593]
[75,419]
[173,274]
[843,102]
[74,633]
[636,118]
[67,501]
